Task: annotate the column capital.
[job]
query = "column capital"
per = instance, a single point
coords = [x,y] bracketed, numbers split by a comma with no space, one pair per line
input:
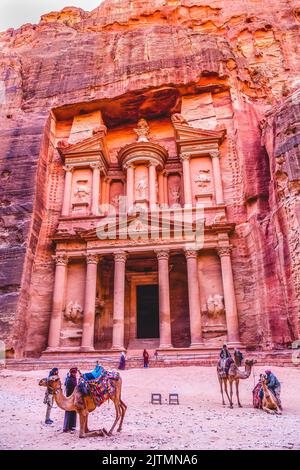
[128,165]
[191,253]
[152,163]
[215,154]
[120,256]
[96,166]
[69,168]
[162,254]
[184,156]
[91,258]
[61,259]
[224,251]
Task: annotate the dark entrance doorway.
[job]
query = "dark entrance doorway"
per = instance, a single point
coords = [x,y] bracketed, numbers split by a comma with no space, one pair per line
[147,311]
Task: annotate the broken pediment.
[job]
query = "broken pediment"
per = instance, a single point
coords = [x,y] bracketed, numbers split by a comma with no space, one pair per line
[90,146]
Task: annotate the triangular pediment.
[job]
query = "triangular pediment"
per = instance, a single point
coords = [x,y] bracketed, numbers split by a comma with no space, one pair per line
[90,145]
[188,133]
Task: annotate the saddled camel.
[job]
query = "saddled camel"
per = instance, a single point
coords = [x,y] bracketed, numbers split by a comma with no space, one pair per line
[234,375]
[84,405]
[269,402]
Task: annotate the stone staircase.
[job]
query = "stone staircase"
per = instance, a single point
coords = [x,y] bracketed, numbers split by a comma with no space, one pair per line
[136,347]
[177,358]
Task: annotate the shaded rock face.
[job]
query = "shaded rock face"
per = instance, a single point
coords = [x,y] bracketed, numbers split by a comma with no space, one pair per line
[234,64]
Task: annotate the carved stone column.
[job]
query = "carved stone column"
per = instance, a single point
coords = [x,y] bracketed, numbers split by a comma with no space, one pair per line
[130,186]
[185,158]
[87,341]
[152,186]
[95,188]
[67,191]
[61,261]
[161,196]
[119,298]
[229,295]
[194,298]
[164,299]
[215,156]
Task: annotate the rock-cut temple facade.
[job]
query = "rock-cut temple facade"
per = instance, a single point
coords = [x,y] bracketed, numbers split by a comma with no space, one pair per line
[149,167]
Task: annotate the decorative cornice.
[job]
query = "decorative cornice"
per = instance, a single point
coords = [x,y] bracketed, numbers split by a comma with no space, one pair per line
[142,151]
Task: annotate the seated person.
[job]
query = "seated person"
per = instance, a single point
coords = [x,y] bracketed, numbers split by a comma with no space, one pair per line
[95,374]
[225,358]
[273,384]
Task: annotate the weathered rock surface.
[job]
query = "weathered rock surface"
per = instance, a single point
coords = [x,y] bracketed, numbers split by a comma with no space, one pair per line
[142,52]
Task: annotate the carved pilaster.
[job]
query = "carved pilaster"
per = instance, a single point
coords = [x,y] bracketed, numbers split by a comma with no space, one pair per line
[184,156]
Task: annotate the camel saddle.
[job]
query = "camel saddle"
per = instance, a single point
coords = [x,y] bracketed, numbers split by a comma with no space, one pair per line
[99,389]
[224,366]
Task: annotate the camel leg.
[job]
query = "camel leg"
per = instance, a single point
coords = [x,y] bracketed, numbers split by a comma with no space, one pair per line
[83,417]
[117,405]
[226,391]
[123,411]
[268,410]
[231,394]
[237,393]
[221,387]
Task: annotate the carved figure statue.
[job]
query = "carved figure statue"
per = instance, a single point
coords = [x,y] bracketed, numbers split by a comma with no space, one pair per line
[175,195]
[141,187]
[73,312]
[203,179]
[142,131]
[81,192]
[215,305]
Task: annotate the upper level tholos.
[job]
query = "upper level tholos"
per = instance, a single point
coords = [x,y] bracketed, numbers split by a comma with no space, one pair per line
[151,165]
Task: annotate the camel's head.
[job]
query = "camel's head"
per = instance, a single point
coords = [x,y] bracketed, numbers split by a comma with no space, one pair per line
[43,382]
[250,362]
[53,383]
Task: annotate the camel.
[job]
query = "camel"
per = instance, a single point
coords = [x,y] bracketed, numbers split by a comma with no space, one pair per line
[269,402]
[84,405]
[234,375]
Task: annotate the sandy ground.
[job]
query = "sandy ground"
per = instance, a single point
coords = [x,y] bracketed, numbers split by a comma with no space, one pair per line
[199,422]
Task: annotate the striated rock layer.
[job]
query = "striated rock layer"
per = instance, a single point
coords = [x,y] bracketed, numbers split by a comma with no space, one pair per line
[217,62]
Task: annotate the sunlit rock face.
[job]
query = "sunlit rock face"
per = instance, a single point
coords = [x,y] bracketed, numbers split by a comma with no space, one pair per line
[220,64]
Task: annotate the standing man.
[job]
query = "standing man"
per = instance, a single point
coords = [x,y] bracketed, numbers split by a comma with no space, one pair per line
[146,358]
[48,399]
[273,384]
[70,384]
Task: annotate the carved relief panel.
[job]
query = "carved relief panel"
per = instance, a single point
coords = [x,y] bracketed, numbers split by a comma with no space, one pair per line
[212,297]
[74,304]
[175,192]
[202,180]
[81,191]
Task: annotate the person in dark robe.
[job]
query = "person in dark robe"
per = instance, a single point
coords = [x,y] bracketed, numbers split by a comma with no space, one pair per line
[48,399]
[122,362]
[70,384]
[225,358]
[146,358]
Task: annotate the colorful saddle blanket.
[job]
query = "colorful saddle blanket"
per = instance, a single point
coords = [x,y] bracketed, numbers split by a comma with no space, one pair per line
[100,389]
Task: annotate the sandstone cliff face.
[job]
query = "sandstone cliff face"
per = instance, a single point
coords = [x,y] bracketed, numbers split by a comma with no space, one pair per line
[247,52]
